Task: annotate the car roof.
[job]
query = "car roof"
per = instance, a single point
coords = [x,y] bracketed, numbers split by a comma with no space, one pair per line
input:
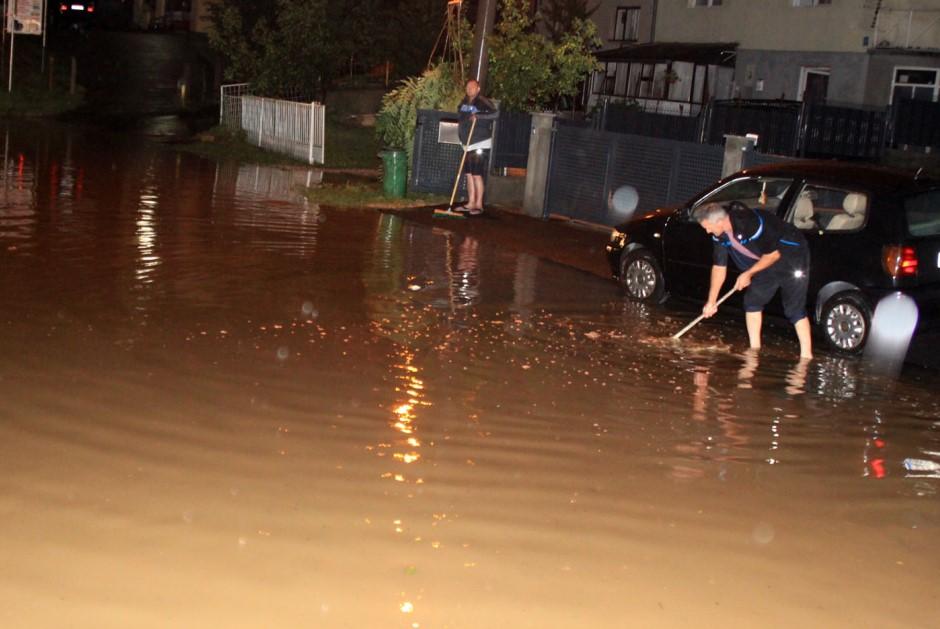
[868,176]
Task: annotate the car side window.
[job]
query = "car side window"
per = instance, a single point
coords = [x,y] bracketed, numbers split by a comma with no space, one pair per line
[763,193]
[829,209]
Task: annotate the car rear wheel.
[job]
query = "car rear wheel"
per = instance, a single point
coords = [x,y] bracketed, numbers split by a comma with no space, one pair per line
[641,276]
[845,322]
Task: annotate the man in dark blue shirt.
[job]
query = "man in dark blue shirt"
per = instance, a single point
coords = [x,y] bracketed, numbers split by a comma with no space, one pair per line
[475,107]
[772,255]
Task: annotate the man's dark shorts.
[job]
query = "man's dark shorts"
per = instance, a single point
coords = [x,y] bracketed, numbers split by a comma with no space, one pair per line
[476,163]
[793,282]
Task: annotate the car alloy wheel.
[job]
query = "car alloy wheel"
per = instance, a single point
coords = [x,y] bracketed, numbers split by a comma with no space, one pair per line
[641,277]
[846,325]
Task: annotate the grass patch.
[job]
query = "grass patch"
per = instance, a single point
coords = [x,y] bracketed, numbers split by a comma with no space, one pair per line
[349,146]
[346,147]
[368,194]
[30,100]
[31,95]
[221,143]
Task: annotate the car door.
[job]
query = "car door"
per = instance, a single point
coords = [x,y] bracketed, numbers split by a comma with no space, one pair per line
[834,218]
[922,218]
[687,255]
[687,249]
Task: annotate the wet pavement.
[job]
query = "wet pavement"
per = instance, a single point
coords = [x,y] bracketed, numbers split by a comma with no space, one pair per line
[126,74]
[223,406]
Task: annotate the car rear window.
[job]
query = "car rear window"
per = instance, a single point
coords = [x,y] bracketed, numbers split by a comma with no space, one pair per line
[923,214]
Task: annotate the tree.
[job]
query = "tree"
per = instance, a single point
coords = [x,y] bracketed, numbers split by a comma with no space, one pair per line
[237,34]
[560,17]
[527,70]
[294,48]
[303,46]
[520,66]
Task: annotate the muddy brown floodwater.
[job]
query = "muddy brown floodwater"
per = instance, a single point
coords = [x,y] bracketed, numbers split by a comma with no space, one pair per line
[221,406]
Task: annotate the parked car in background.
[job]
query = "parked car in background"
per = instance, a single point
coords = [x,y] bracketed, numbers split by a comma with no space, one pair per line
[75,15]
[871,231]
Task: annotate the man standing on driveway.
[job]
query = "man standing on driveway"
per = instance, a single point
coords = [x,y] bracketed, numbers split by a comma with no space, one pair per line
[477,107]
[772,255]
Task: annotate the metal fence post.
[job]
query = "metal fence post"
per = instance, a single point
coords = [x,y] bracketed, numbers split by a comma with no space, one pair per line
[608,166]
[551,163]
[706,115]
[673,174]
[416,151]
[890,123]
[802,128]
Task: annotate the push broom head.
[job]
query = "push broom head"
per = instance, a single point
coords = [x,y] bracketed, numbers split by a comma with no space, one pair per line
[447,213]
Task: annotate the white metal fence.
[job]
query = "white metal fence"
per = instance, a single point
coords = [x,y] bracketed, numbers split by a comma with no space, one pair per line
[292,128]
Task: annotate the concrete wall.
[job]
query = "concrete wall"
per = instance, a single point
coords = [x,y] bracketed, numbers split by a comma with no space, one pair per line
[843,26]
[908,23]
[780,72]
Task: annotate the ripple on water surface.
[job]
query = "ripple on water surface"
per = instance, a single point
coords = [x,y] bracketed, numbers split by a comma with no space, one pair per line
[221,400]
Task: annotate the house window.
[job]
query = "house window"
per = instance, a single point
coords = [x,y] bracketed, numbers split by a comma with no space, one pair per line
[627,24]
[915,84]
[810,3]
[704,3]
[604,79]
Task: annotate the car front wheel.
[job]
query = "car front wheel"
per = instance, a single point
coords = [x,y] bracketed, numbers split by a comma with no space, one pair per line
[641,276]
[846,322]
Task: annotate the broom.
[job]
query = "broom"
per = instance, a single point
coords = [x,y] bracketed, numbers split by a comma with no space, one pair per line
[449,212]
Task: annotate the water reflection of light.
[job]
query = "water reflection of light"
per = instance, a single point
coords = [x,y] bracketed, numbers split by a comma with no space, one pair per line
[873,455]
[18,208]
[410,397]
[147,259]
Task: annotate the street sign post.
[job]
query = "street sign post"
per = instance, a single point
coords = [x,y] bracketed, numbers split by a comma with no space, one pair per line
[23,17]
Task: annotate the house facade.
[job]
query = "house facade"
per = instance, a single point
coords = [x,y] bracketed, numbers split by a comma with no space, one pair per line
[658,74]
[858,52]
[624,22]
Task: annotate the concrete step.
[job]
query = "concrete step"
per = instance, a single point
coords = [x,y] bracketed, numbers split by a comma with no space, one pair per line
[505,190]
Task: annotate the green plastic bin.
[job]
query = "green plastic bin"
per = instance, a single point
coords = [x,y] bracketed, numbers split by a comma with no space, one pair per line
[396,172]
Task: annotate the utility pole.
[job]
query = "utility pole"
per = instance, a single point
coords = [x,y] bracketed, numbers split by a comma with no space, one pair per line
[486,16]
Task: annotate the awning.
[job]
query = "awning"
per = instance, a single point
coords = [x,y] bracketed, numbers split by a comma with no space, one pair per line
[702,54]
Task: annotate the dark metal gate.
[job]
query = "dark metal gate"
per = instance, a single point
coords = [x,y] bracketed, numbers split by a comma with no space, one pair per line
[843,131]
[776,123]
[511,140]
[588,166]
[916,123]
[434,163]
[624,119]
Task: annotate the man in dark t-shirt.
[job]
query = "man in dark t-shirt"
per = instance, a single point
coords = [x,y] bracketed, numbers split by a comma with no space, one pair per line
[476,107]
[772,255]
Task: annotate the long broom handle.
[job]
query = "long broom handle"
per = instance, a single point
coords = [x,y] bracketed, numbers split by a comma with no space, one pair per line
[466,149]
[697,319]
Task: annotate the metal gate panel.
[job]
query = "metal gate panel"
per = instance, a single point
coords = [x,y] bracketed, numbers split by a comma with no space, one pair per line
[434,163]
[578,172]
[588,166]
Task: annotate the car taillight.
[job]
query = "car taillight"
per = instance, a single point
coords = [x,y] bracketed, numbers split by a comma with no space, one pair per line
[900,261]
[63,8]
[90,8]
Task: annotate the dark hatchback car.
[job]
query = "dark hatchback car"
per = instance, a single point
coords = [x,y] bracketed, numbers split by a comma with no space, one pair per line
[871,232]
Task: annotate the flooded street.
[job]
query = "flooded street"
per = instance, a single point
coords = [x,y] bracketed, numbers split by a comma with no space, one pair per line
[222,406]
